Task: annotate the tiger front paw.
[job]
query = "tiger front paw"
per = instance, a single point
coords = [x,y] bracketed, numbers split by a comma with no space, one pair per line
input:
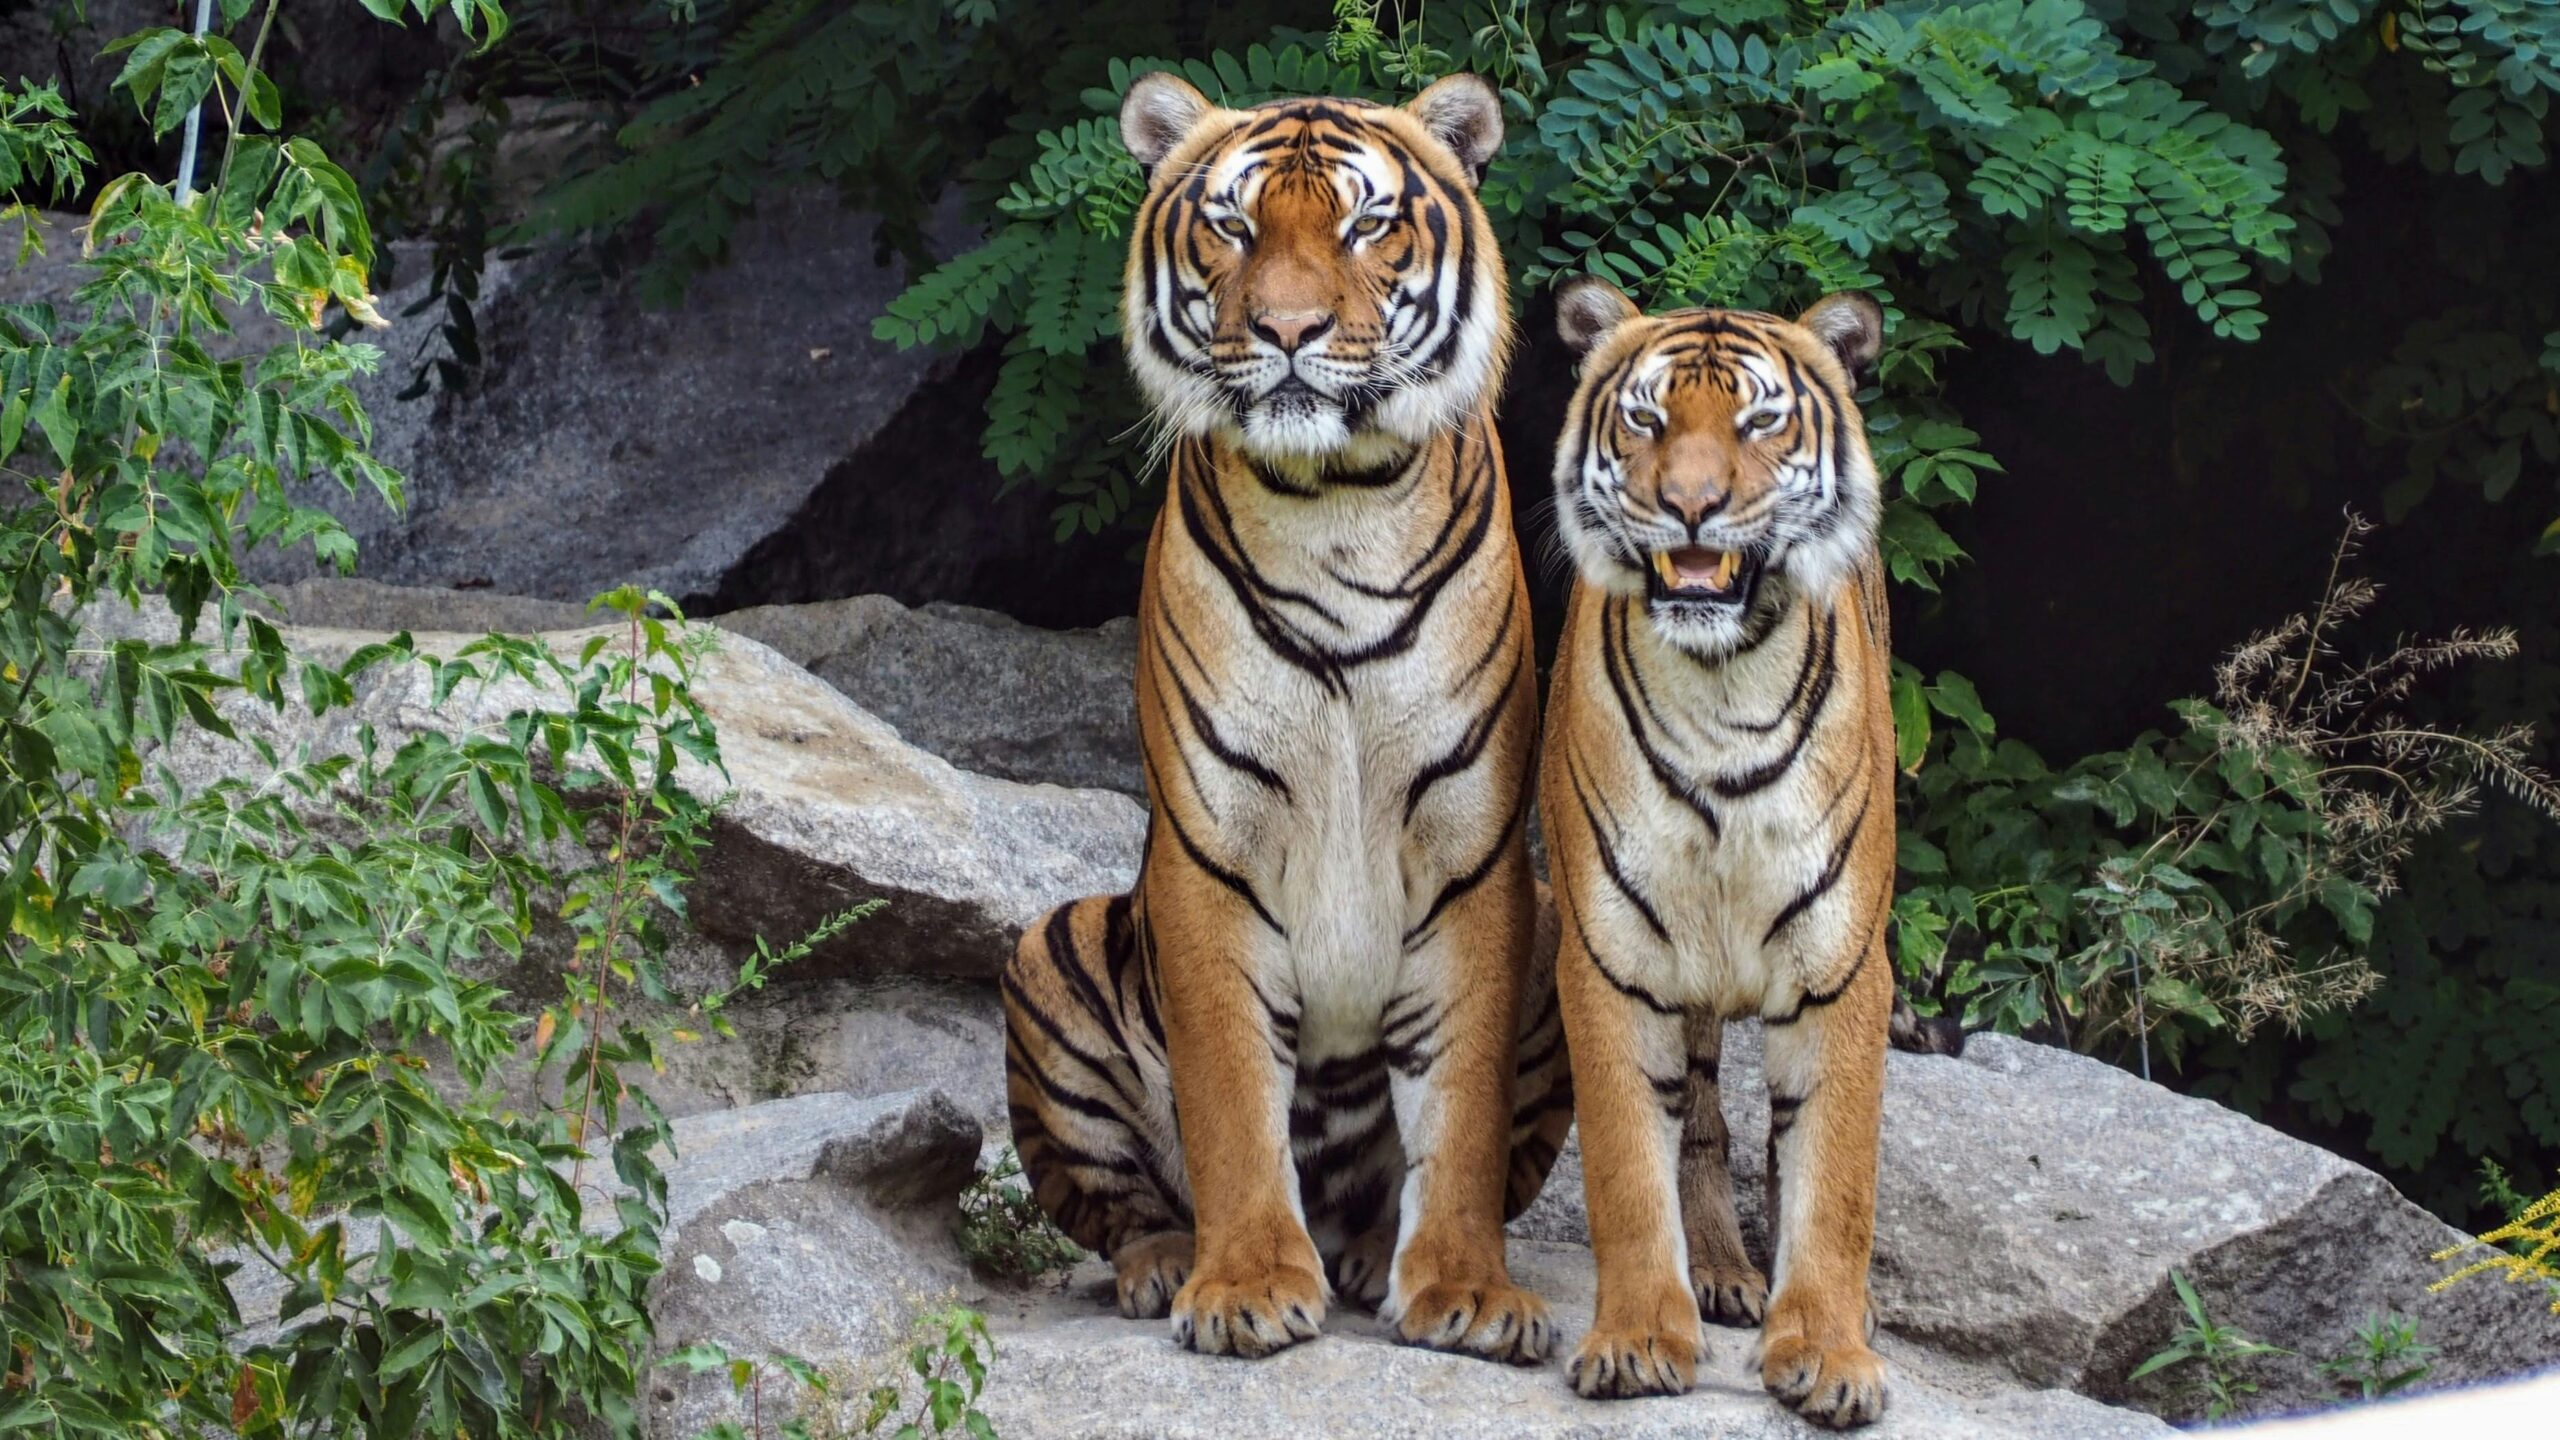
[1494,1319]
[1839,1386]
[1730,1294]
[1249,1315]
[1147,1272]
[1616,1364]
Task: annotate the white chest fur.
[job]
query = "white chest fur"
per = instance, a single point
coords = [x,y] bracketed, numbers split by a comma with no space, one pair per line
[1727,896]
[1342,645]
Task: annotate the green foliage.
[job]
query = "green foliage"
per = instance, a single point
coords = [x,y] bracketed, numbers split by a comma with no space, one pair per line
[1753,155]
[2197,883]
[2386,1358]
[746,1382]
[1004,1231]
[2220,1353]
[948,1358]
[247,1021]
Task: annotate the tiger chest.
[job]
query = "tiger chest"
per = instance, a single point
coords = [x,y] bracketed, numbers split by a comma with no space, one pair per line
[1328,798]
[1720,896]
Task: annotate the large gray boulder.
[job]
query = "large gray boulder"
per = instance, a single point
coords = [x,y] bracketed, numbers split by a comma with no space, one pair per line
[978,688]
[2032,1202]
[825,806]
[643,446]
[605,442]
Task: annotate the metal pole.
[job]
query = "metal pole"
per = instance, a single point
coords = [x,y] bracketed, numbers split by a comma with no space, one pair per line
[195,117]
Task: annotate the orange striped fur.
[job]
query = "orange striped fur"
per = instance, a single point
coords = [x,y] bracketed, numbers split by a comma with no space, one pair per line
[1717,787]
[1316,1050]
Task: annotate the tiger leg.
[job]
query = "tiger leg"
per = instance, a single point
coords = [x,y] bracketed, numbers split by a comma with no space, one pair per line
[1450,1035]
[1257,1284]
[1342,1129]
[1542,1083]
[1629,1050]
[1730,1289]
[1092,1109]
[1826,1108]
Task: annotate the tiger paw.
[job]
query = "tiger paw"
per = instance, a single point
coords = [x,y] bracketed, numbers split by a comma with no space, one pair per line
[1840,1386]
[1729,1294]
[1494,1319]
[1148,1272]
[1360,1276]
[1249,1315]
[1622,1364]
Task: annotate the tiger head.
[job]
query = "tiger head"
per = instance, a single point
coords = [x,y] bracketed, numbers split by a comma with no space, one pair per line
[1714,461]
[1314,281]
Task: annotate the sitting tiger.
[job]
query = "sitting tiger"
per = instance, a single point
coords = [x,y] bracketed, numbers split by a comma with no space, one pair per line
[1328,956]
[1717,787]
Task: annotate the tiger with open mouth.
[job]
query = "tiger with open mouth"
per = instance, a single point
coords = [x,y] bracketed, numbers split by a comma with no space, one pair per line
[1717,790]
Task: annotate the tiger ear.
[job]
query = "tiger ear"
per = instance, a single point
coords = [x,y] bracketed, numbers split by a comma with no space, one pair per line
[1852,324]
[1158,111]
[1462,112]
[1587,309]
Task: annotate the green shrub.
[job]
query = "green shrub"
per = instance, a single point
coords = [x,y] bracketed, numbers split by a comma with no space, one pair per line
[247,1025]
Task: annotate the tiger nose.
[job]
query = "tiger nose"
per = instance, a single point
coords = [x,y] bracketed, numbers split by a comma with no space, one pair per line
[1694,503]
[1292,330]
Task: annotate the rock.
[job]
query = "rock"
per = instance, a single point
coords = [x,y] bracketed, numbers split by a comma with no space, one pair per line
[858,1035]
[635,445]
[604,442]
[826,807]
[332,603]
[981,690]
[811,1226]
[2032,1202]
[1067,1368]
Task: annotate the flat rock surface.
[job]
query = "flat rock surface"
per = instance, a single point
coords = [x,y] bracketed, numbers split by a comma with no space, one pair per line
[1069,1368]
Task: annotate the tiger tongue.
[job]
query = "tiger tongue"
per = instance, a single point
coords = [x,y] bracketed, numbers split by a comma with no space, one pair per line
[1694,567]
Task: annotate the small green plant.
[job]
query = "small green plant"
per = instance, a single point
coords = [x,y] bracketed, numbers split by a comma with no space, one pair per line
[746,1382]
[948,1356]
[1004,1231]
[2220,1352]
[2386,1358]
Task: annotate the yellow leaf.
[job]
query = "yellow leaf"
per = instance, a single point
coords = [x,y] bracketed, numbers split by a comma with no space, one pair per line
[542,1031]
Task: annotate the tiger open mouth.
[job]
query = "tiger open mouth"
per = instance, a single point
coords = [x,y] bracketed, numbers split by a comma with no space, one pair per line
[1696,573]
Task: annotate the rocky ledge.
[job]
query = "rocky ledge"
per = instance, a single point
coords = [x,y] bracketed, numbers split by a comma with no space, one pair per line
[2032,1203]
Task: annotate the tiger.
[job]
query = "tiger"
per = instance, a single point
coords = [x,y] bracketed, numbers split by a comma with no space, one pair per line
[1717,791]
[1314,1053]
